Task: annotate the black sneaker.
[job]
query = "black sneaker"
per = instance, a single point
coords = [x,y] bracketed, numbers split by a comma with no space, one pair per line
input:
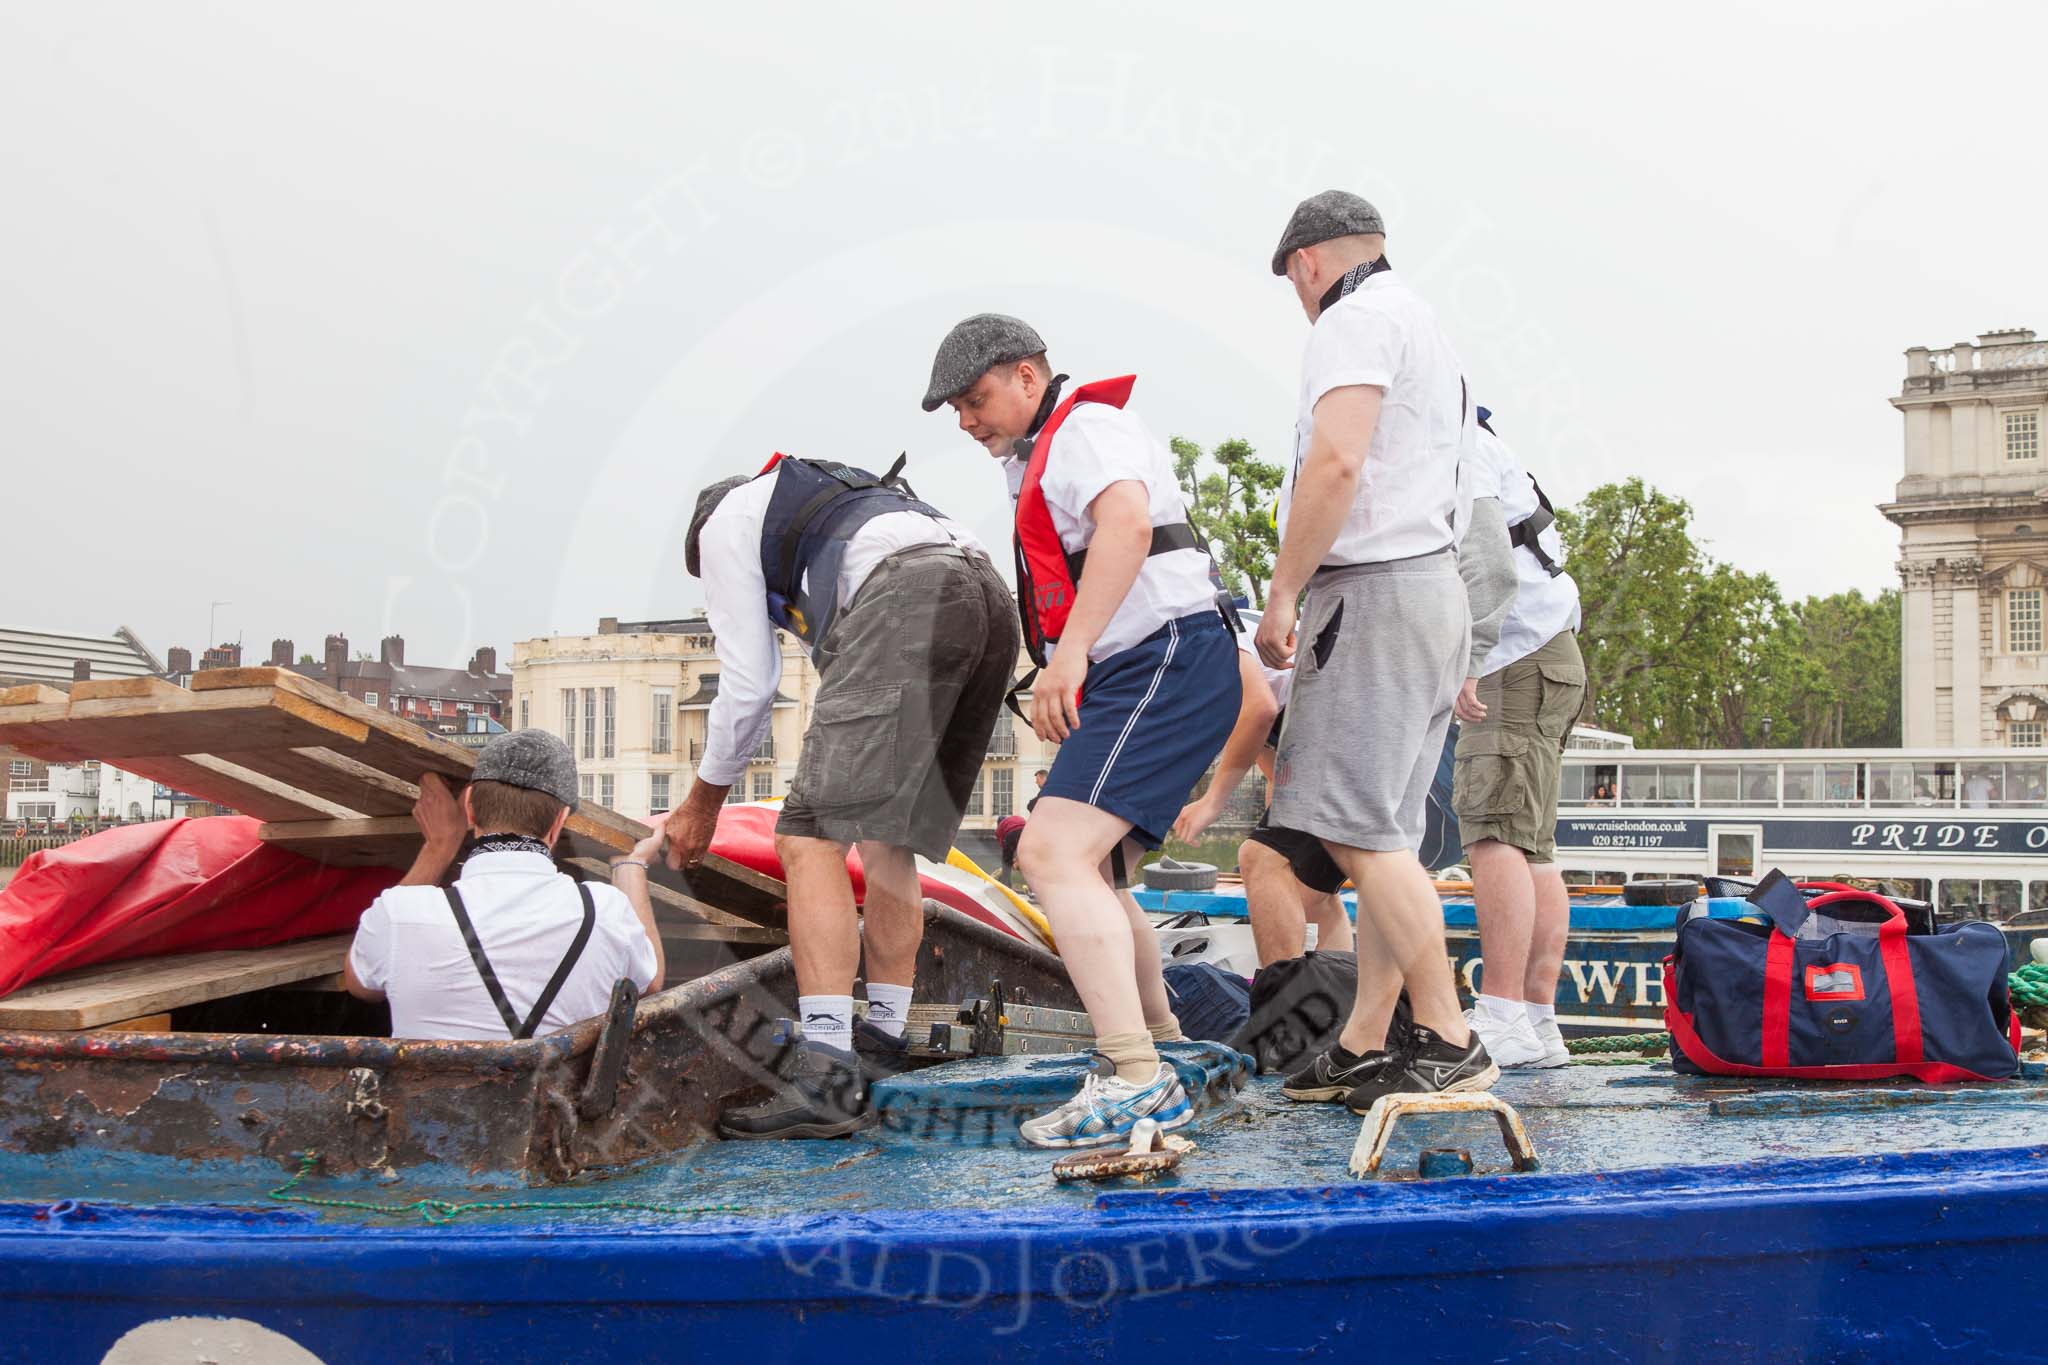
[881,1056]
[1433,1068]
[821,1095]
[1335,1073]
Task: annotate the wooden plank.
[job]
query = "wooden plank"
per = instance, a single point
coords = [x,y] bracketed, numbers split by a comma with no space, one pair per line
[148,1023]
[724,933]
[224,784]
[114,991]
[355,786]
[670,905]
[378,841]
[389,744]
[100,689]
[114,728]
[32,694]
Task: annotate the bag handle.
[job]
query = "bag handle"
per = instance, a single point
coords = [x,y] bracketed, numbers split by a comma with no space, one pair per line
[1788,906]
[1834,893]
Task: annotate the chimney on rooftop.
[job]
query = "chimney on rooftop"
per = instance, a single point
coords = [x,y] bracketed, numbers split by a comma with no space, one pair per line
[281,654]
[178,661]
[81,670]
[607,625]
[485,662]
[393,651]
[337,655]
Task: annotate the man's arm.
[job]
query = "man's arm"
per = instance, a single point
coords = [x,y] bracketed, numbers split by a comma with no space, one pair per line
[1247,737]
[629,875]
[749,671]
[1486,561]
[1324,491]
[1122,541]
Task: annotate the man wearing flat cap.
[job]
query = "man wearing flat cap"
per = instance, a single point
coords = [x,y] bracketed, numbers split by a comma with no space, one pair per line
[1138,683]
[910,626]
[1369,520]
[512,948]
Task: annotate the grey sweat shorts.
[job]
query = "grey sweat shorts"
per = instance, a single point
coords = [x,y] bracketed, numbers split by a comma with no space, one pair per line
[1380,655]
[911,681]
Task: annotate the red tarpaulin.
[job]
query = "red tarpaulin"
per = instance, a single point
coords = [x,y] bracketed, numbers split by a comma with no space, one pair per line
[171,886]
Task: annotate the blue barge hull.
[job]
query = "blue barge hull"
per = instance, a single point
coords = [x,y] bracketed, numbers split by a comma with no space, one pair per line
[1918,1256]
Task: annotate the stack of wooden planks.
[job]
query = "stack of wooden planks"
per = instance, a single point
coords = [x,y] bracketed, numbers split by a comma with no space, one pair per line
[335,780]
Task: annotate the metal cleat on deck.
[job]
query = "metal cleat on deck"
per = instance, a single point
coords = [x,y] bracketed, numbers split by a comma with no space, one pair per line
[1150,1154]
[1378,1128]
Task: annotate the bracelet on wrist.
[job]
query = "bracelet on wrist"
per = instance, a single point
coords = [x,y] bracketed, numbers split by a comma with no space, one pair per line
[629,862]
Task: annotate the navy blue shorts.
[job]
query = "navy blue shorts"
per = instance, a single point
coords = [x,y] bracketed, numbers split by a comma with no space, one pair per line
[1153,718]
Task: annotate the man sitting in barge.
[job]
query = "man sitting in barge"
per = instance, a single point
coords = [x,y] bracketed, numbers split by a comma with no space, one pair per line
[512,947]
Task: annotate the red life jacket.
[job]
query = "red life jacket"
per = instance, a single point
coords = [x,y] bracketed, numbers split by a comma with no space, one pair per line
[1045,580]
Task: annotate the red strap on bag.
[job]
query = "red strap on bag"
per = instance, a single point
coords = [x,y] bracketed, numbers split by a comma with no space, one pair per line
[1907,1044]
[1777,1049]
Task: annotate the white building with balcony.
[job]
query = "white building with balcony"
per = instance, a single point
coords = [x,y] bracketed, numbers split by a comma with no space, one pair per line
[1972,512]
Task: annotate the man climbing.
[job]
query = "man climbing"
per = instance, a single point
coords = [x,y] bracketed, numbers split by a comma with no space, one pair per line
[1137,681]
[1519,701]
[914,639]
[1368,515]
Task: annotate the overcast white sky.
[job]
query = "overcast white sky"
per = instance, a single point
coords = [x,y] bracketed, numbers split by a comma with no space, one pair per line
[431,319]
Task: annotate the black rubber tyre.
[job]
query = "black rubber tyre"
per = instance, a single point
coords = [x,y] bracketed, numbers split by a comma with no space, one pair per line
[1170,874]
[1672,891]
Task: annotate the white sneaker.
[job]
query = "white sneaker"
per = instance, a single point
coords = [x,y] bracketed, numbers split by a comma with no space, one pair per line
[1510,1045]
[1108,1108]
[1555,1053]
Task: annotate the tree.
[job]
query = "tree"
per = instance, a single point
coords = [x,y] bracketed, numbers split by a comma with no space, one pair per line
[1231,504]
[1682,652]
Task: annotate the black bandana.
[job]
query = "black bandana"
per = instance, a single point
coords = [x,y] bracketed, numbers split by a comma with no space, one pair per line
[511,843]
[1355,276]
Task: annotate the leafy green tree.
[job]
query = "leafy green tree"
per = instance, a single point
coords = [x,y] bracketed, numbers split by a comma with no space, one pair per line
[1230,493]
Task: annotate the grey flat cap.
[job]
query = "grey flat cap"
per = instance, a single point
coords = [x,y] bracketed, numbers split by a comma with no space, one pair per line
[973,348]
[707,503]
[1318,218]
[533,759]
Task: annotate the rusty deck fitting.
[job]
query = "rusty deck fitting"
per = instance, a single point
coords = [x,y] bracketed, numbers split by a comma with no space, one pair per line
[1378,1129]
[1150,1154]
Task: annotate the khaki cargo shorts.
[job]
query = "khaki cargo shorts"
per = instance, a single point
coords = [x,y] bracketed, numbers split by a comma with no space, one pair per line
[1508,766]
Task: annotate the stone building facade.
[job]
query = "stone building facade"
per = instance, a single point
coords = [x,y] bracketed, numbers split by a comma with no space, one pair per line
[632,702]
[1972,512]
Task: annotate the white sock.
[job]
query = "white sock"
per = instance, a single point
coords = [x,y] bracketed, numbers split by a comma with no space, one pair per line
[1501,1010]
[827,1019]
[1539,1015]
[888,1007]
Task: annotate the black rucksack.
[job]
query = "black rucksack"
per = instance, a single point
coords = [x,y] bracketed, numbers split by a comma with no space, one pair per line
[1299,1006]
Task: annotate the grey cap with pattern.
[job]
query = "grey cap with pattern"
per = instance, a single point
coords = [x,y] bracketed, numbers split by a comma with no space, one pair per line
[1320,217]
[975,346]
[534,759]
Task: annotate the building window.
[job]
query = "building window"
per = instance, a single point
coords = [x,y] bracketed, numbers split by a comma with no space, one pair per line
[525,711]
[657,793]
[664,721]
[736,794]
[569,718]
[605,791]
[369,698]
[583,781]
[17,767]
[590,722]
[611,722]
[1005,792]
[974,795]
[2023,435]
[2023,734]
[2023,621]
[764,784]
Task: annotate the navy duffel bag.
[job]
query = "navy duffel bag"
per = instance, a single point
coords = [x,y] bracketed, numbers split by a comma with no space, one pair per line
[1834,988]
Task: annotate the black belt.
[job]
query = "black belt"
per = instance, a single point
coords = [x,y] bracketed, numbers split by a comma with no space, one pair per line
[1165,540]
[555,982]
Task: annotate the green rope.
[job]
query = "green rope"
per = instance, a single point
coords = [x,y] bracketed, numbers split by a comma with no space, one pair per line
[1648,1044]
[438,1211]
[2029,985]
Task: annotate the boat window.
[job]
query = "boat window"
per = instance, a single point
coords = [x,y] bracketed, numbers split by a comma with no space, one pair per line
[1656,784]
[1759,784]
[1983,785]
[2026,784]
[1802,784]
[1576,786]
[2037,895]
[1934,784]
[1720,784]
[1891,784]
[1639,784]
[1842,783]
[1994,898]
[1675,784]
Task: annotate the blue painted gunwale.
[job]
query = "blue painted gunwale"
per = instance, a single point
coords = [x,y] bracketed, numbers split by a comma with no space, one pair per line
[1920,1256]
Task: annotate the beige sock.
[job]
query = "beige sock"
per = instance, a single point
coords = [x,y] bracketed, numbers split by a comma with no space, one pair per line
[1132,1054]
[1168,1032]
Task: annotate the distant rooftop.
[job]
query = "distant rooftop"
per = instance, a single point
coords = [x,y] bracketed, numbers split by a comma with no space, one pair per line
[675,625]
[35,656]
[1998,358]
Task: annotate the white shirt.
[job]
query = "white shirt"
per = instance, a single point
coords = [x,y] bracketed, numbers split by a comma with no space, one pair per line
[1098,445]
[1383,334]
[1281,680]
[736,602]
[526,915]
[1543,605]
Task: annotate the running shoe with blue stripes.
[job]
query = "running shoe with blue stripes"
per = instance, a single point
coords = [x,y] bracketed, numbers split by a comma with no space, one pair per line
[1108,1108]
